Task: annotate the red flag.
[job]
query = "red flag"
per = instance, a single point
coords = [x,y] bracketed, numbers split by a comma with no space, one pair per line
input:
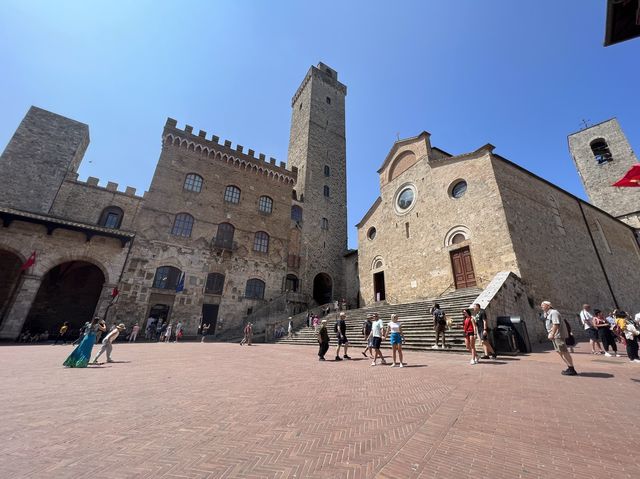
[115,292]
[29,263]
[631,178]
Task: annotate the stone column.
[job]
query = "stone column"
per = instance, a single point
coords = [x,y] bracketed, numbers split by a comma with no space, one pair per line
[104,301]
[14,320]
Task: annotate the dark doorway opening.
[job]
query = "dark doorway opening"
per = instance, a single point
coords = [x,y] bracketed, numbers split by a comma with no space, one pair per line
[210,315]
[9,280]
[378,286]
[322,288]
[69,292]
[463,274]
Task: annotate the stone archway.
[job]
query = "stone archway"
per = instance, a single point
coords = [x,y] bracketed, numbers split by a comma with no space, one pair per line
[10,264]
[68,292]
[322,288]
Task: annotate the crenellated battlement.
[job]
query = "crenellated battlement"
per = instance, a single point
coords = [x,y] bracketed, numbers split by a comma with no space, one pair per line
[212,148]
[110,186]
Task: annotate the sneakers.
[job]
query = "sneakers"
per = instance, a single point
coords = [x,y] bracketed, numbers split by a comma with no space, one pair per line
[607,354]
[373,364]
[636,361]
[346,357]
[321,358]
[570,372]
[364,354]
[472,362]
[484,357]
[494,356]
[110,360]
[617,355]
[338,358]
[435,346]
[394,365]
[384,362]
[401,365]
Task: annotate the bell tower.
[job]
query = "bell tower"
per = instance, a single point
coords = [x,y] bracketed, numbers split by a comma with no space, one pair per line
[317,147]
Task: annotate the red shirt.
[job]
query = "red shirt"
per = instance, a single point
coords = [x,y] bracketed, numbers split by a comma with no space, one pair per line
[468,325]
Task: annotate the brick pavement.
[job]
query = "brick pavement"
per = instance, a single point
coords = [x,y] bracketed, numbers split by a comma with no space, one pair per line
[272,411]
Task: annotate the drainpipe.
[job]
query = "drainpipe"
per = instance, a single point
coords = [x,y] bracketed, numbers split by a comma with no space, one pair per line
[604,272]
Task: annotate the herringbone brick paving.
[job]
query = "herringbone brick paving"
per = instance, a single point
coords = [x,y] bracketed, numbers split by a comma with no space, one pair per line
[219,410]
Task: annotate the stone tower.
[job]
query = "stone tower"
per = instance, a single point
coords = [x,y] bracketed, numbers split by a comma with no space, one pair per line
[44,148]
[603,155]
[317,147]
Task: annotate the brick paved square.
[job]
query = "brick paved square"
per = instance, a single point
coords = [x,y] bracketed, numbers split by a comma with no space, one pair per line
[273,411]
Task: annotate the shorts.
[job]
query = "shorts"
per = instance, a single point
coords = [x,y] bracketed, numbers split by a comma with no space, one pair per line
[376,342]
[343,339]
[441,328]
[395,338]
[470,335]
[592,333]
[370,342]
[559,345]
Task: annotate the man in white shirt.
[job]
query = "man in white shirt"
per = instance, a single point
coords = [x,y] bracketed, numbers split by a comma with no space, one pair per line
[557,334]
[586,318]
[377,327]
[107,342]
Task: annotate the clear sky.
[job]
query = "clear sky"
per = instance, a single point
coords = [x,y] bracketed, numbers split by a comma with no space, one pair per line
[518,74]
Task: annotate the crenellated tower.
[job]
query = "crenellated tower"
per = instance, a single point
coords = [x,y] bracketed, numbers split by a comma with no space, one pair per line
[317,147]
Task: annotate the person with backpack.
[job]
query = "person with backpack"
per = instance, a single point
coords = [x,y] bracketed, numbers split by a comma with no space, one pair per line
[630,334]
[439,324]
[366,332]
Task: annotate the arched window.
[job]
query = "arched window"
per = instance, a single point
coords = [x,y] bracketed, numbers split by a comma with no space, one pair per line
[261,242]
[193,182]
[215,283]
[291,283]
[111,217]
[265,205]
[224,236]
[232,194]
[601,151]
[458,238]
[326,191]
[254,289]
[296,213]
[327,170]
[182,225]
[166,277]
[325,224]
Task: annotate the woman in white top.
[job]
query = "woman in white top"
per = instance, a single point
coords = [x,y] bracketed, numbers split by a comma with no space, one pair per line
[167,334]
[394,331]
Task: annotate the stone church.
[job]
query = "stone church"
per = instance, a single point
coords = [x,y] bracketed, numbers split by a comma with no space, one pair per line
[227,235]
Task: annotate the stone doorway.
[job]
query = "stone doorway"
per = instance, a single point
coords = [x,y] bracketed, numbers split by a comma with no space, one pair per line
[322,288]
[9,280]
[463,274]
[378,286]
[68,292]
[210,315]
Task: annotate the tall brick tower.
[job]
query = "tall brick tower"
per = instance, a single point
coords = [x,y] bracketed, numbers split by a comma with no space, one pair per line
[603,155]
[317,147]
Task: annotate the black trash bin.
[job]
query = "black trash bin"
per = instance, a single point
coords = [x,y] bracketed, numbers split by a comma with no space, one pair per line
[504,340]
[519,329]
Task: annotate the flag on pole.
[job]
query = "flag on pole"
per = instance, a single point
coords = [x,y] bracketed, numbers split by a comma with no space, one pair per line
[180,285]
[29,263]
[631,178]
[114,295]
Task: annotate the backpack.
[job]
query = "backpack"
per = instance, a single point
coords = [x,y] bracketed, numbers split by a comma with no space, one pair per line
[335,327]
[438,315]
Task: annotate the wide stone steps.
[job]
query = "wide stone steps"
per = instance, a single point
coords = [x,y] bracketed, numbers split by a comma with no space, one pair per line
[417,323]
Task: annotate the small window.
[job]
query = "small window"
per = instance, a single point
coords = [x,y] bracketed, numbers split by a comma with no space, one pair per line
[166,277]
[296,213]
[232,194]
[193,183]
[254,289]
[291,283]
[111,217]
[459,189]
[265,204]
[601,151]
[261,242]
[326,191]
[327,170]
[458,238]
[406,229]
[215,283]
[224,236]
[328,100]
[371,234]
[325,224]
[182,225]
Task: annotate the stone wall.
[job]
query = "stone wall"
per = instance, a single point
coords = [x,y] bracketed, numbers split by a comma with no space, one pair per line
[352,282]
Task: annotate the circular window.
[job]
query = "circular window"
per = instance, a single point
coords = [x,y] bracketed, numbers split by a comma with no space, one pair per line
[458,238]
[371,234]
[459,189]
[405,199]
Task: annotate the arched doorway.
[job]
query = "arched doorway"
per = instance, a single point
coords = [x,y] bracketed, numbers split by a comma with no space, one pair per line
[322,288]
[69,292]
[9,279]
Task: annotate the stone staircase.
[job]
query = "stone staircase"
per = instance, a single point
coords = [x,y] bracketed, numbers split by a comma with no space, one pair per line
[417,323]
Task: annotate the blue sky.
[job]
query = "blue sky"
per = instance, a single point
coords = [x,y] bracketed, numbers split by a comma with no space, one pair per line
[520,75]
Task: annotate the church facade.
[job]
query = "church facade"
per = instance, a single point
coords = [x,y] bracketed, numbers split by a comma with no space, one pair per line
[221,232]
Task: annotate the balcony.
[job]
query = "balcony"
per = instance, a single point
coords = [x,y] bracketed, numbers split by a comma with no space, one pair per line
[224,244]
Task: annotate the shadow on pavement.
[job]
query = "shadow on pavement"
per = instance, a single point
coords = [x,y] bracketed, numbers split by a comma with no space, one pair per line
[596,375]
